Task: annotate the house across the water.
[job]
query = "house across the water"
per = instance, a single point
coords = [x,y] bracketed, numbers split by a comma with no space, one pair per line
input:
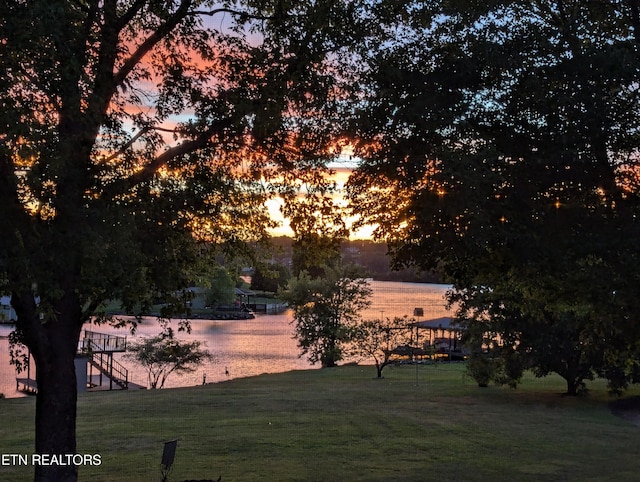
[7,313]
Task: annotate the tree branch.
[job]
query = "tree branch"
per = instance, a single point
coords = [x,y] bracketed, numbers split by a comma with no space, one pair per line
[186,147]
[160,33]
[245,15]
[126,17]
[127,145]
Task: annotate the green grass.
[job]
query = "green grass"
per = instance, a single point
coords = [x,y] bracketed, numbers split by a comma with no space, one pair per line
[343,425]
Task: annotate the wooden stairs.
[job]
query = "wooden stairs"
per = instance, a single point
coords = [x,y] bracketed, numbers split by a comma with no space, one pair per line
[99,348]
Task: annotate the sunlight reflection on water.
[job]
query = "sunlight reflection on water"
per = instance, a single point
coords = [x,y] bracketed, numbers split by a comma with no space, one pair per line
[252,347]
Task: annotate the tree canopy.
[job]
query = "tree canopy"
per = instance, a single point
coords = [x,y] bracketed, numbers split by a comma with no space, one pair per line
[221,287]
[327,311]
[505,136]
[130,131]
[271,277]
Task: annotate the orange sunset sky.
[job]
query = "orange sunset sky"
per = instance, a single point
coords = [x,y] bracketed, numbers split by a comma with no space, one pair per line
[341,167]
[342,170]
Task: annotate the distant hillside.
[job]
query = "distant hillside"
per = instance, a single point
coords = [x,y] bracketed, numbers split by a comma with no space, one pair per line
[371,255]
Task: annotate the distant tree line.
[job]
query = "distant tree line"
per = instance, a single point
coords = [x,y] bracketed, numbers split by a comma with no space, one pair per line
[374,258]
[371,256]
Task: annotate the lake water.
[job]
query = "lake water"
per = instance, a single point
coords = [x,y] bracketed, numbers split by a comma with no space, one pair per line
[246,348]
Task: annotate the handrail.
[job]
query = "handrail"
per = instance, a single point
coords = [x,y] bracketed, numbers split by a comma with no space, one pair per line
[115,370]
[103,342]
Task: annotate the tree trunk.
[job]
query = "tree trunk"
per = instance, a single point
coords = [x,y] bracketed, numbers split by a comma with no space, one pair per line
[56,414]
[53,344]
[330,356]
[572,387]
[328,362]
[573,378]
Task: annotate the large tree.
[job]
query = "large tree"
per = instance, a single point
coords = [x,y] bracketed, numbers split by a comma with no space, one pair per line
[505,137]
[327,311]
[132,129]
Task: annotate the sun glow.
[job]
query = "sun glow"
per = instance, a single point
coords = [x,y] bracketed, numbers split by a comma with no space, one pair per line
[339,175]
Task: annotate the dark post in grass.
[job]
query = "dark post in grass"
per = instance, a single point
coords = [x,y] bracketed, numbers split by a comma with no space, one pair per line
[168,454]
[417,312]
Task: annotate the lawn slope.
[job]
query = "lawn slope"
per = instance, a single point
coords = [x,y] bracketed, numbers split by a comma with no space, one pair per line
[341,424]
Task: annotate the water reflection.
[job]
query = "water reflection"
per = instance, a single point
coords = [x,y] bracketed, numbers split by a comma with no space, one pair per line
[246,348]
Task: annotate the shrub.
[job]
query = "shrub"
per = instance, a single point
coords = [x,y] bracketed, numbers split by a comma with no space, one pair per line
[481,368]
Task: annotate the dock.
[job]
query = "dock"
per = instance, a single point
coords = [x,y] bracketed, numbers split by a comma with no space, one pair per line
[101,371]
[26,385]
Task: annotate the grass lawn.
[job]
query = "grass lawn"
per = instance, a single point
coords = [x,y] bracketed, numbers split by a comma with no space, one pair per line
[343,425]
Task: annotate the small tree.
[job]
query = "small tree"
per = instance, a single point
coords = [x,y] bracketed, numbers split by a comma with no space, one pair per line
[163,354]
[272,277]
[327,312]
[221,287]
[378,339]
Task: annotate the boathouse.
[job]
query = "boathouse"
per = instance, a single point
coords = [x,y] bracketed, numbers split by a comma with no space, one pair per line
[442,336]
[7,313]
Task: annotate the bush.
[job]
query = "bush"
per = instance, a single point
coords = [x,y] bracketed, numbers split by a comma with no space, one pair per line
[481,368]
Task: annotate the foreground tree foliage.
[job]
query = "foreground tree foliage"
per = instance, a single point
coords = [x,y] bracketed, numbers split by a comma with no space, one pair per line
[326,311]
[505,137]
[132,130]
[164,354]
